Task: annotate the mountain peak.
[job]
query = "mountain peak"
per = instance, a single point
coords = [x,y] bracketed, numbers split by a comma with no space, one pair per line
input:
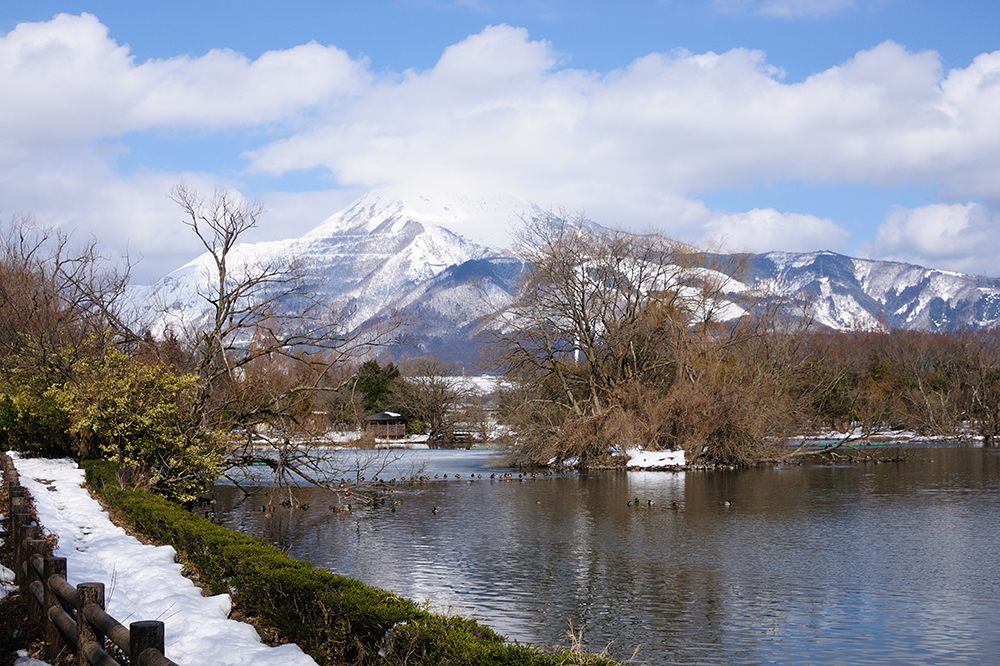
[482,219]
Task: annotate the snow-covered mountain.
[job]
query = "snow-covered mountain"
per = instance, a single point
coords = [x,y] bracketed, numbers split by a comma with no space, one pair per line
[848,293]
[401,254]
[383,254]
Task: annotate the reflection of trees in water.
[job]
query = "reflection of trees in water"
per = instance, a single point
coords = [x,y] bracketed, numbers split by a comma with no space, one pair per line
[801,556]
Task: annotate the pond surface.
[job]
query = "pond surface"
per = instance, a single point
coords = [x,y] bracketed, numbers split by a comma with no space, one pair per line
[874,564]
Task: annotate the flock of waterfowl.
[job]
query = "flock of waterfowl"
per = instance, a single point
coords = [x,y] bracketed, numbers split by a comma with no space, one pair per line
[377,492]
[374,493]
[673,505]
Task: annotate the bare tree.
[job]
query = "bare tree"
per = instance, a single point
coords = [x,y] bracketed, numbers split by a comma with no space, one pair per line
[977,365]
[600,308]
[57,300]
[624,340]
[267,345]
[432,391]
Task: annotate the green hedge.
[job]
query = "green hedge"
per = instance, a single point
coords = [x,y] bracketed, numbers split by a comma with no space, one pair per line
[333,618]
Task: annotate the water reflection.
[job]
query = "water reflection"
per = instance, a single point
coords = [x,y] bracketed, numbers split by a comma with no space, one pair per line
[885,564]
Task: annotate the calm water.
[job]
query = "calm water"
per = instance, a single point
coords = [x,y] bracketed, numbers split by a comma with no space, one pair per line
[880,564]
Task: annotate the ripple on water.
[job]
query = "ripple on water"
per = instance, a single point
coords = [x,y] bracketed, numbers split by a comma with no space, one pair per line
[853,565]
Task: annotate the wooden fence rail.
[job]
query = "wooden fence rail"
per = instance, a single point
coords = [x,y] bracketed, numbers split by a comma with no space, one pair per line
[73,617]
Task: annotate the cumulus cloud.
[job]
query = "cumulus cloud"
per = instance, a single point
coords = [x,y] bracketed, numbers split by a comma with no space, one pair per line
[959,237]
[65,82]
[499,113]
[678,122]
[762,230]
[67,88]
[129,214]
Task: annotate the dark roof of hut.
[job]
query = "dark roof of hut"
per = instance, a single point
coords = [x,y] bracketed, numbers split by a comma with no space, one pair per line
[385,416]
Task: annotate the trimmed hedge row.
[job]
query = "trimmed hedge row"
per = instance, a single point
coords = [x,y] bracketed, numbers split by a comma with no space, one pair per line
[333,618]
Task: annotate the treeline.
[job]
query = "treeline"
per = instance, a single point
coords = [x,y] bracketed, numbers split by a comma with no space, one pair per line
[615,340]
[620,340]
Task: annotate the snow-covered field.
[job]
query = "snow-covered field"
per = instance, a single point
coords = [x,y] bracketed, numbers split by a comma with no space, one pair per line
[142,582]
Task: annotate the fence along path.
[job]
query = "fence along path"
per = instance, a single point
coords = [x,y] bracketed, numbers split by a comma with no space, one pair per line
[74,618]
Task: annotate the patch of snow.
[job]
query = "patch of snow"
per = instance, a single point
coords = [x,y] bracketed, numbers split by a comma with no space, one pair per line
[569,462]
[28,661]
[6,581]
[142,582]
[639,459]
[481,384]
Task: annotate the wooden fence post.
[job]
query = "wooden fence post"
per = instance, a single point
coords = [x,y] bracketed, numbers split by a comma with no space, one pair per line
[54,644]
[32,547]
[9,471]
[15,498]
[15,491]
[87,594]
[20,521]
[29,533]
[143,636]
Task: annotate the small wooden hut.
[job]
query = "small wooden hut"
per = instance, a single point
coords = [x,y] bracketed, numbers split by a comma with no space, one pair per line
[386,425]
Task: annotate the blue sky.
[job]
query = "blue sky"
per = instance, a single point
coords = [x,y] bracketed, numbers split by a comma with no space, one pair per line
[864,127]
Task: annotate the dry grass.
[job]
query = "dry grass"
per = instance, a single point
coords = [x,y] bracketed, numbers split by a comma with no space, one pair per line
[576,653]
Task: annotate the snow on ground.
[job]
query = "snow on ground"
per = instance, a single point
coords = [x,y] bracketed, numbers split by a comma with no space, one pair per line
[651,459]
[6,581]
[142,582]
[6,575]
[341,439]
[857,435]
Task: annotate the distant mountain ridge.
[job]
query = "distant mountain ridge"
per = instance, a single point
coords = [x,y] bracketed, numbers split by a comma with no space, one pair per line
[847,293]
[393,254]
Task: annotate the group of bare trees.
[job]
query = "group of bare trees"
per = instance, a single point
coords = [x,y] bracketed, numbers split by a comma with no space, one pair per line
[933,384]
[80,372]
[614,340]
[58,308]
[618,340]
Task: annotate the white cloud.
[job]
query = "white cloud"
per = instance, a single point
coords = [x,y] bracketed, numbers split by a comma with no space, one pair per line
[498,114]
[762,230]
[680,122]
[66,87]
[65,82]
[129,214]
[959,237]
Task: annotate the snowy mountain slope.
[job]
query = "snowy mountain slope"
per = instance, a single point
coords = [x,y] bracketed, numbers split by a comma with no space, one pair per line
[862,293]
[400,254]
[374,257]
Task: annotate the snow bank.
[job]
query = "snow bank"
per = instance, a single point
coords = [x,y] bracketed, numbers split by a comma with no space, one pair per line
[6,575]
[6,581]
[142,582]
[639,459]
